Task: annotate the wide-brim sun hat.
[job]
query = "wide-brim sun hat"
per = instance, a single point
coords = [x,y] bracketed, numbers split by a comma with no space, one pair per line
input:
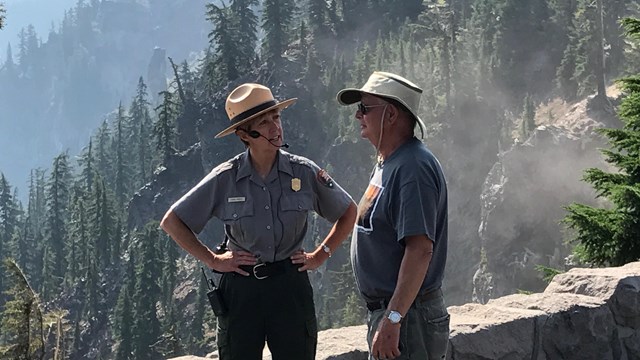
[247,102]
[387,85]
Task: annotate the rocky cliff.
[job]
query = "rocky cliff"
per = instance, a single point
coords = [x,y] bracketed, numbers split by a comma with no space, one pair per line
[582,314]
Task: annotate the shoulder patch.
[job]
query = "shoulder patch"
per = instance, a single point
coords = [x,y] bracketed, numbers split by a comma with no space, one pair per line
[324,178]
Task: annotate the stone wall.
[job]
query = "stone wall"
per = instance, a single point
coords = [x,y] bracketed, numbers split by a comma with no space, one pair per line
[583,314]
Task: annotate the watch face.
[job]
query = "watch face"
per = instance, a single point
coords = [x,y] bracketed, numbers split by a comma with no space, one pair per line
[394,317]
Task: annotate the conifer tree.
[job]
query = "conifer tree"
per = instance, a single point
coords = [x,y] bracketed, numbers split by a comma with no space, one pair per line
[124,321]
[164,126]
[317,15]
[35,223]
[576,75]
[77,247]
[93,298]
[244,24]
[609,236]
[87,171]
[528,117]
[2,16]
[103,158]
[147,293]
[22,323]
[221,38]
[102,220]
[121,165]
[141,128]
[277,19]
[8,218]
[169,270]
[124,311]
[56,223]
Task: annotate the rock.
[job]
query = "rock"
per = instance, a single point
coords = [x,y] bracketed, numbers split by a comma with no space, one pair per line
[586,314]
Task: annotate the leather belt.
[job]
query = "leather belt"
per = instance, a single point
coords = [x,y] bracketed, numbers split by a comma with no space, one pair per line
[382,304]
[265,270]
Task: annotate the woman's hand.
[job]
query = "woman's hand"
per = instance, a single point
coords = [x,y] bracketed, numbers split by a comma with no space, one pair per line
[309,261]
[231,261]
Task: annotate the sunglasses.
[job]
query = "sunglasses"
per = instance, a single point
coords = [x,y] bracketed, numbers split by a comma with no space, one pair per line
[364,109]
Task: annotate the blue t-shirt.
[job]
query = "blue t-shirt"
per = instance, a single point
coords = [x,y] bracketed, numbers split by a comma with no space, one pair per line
[407,195]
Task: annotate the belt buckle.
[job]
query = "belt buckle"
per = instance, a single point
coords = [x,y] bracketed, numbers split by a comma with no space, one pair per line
[255,273]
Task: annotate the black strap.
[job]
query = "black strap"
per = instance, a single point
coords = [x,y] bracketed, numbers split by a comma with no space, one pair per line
[245,114]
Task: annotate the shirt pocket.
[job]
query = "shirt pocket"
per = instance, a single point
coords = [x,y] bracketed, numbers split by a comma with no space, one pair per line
[295,208]
[235,211]
[238,216]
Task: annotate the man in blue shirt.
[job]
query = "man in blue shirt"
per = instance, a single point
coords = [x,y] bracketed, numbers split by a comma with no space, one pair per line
[399,245]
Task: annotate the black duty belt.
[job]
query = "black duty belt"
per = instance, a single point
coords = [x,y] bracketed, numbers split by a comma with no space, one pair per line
[264,270]
[382,304]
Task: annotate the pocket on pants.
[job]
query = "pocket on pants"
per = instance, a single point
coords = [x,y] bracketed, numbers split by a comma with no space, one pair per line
[439,330]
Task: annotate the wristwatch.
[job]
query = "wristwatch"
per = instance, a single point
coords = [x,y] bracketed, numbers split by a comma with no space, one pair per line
[326,249]
[394,317]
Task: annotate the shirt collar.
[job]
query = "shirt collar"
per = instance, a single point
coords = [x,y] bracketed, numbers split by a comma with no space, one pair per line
[284,164]
[244,169]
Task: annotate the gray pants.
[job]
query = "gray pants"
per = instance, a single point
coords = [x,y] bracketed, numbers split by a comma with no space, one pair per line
[424,331]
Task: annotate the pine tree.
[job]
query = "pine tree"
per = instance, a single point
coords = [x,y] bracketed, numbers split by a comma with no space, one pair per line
[169,270]
[141,127]
[103,158]
[87,171]
[2,16]
[102,220]
[317,15]
[56,223]
[609,236]
[221,38]
[528,117]
[8,218]
[121,165]
[277,19]
[22,322]
[576,75]
[77,247]
[124,321]
[147,293]
[164,127]
[244,24]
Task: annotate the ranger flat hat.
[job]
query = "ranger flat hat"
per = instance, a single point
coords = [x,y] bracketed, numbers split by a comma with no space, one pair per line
[387,85]
[248,101]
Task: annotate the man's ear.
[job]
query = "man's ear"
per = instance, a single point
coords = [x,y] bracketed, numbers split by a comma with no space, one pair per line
[393,113]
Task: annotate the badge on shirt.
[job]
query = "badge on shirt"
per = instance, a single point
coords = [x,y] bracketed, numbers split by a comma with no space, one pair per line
[324,178]
[236,199]
[296,184]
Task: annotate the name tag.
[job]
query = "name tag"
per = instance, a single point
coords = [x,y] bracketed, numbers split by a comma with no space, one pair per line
[236,199]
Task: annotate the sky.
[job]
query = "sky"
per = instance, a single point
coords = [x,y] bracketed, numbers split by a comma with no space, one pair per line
[21,13]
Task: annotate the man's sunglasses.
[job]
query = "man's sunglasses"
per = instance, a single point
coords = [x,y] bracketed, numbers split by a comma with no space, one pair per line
[364,109]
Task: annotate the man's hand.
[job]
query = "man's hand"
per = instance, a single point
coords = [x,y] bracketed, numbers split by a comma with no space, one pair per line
[231,261]
[309,261]
[386,341]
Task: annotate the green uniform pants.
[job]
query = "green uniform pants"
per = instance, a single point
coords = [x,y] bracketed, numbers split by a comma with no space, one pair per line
[278,310]
[424,331]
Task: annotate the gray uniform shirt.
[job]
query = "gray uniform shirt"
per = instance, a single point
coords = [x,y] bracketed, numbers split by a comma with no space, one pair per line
[266,217]
[407,195]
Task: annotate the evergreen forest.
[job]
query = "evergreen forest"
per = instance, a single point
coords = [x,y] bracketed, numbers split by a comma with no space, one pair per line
[86,272]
